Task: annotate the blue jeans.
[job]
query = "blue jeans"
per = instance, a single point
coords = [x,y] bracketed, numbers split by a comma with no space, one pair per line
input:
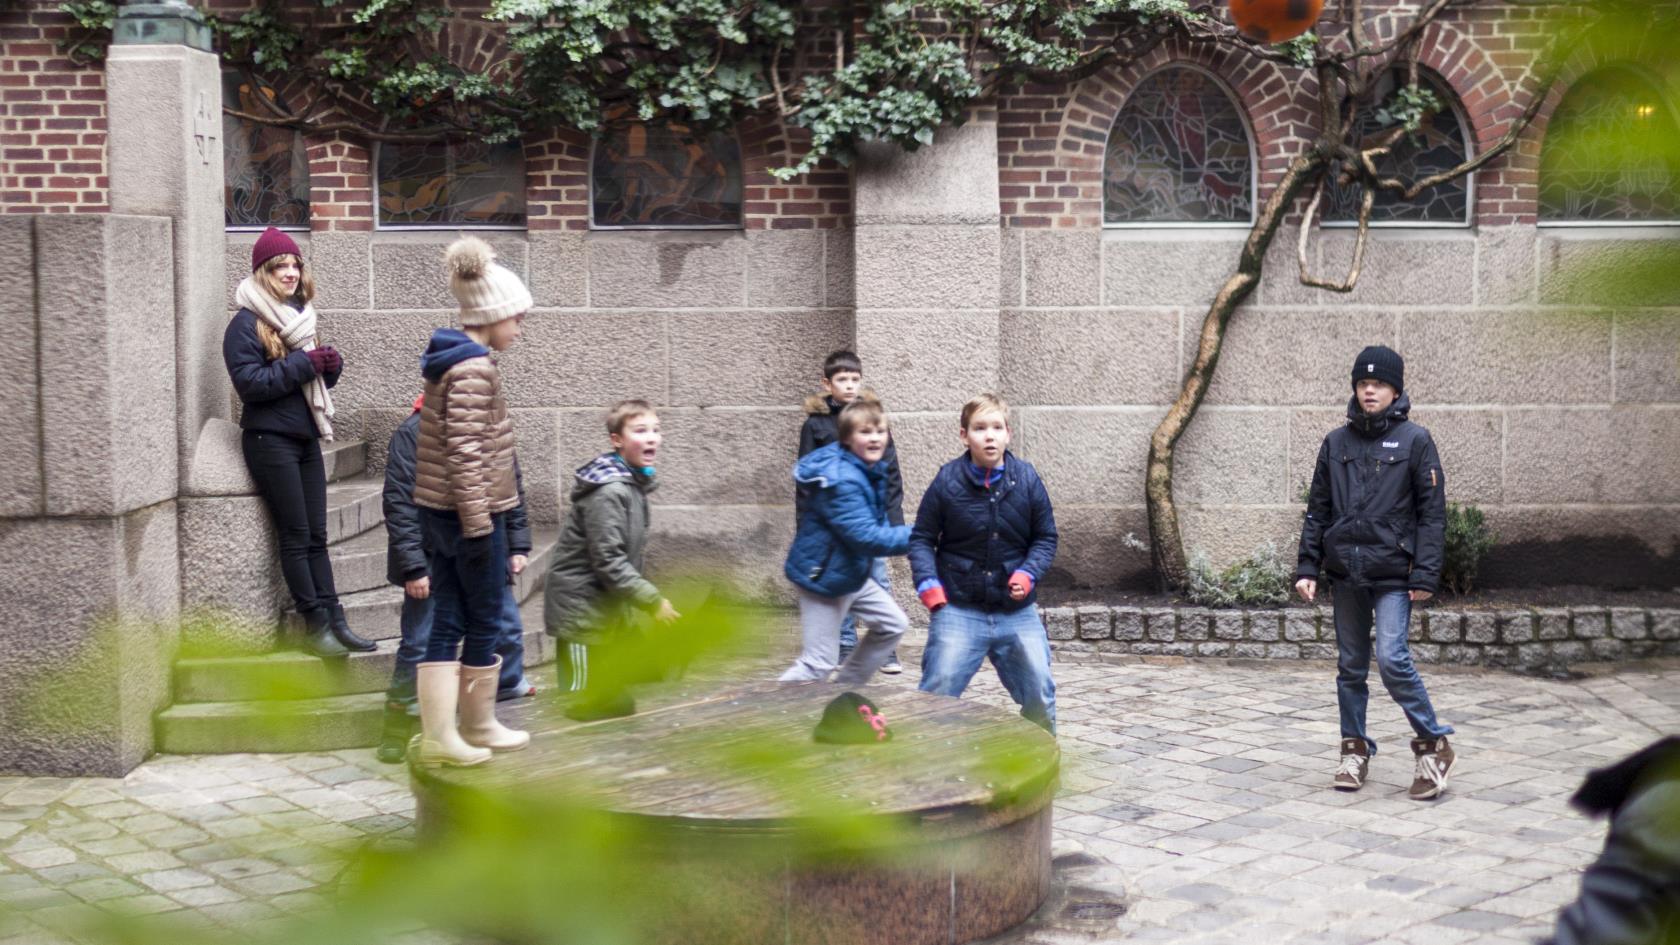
[848,626]
[417,633]
[466,595]
[1358,610]
[960,637]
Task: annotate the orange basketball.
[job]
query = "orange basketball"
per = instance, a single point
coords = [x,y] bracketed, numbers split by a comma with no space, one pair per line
[1275,21]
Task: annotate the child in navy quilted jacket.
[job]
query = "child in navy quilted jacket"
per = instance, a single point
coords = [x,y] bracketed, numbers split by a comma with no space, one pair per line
[984,537]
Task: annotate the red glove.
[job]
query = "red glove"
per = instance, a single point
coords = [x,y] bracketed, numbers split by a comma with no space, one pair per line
[933,598]
[335,361]
[1020,585]
[319,359]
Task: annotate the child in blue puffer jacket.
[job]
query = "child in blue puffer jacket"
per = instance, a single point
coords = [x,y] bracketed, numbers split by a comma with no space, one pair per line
[843,528]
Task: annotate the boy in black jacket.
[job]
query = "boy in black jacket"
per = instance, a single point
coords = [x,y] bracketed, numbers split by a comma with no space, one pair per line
[405,566]
[842,381]
[985,535]
[1374,530]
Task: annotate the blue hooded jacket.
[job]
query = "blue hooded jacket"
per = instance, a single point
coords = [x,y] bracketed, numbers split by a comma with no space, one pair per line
[448,347]
[843,527]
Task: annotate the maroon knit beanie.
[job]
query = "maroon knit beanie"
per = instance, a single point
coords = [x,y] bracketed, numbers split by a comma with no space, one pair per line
[270,244]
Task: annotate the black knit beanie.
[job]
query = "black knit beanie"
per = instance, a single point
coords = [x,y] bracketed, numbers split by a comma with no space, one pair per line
[1382,364]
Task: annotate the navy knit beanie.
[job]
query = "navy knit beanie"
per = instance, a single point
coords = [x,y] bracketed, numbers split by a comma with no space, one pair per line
[1383,364]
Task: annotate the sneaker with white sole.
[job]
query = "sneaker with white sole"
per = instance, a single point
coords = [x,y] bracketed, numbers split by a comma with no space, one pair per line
[892,667]
[1435,759]
[1356,761]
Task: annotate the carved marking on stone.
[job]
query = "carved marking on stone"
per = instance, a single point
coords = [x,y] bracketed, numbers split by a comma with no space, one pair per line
[204,127]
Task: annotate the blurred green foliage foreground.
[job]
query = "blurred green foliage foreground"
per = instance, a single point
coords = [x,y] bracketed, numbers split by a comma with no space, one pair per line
[550,862]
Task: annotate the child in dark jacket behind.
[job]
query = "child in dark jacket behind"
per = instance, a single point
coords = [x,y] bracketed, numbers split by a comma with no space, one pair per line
[985,535]
[842,382]
[407,568]
[843,529]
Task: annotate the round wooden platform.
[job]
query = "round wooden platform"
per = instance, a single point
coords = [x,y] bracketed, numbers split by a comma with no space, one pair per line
[728,786]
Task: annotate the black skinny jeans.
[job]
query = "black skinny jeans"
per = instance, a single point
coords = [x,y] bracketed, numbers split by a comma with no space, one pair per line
[292,480]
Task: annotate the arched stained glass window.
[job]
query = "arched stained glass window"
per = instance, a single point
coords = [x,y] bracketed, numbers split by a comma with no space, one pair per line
[466,183]
[265,167]
[1611,153]
[665,175]
[1442,142]
[1179,152]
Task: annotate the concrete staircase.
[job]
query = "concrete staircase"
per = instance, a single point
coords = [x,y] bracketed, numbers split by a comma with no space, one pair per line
[289,701]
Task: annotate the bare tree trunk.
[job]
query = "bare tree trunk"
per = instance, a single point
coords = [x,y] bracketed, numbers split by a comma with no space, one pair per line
[1166,540]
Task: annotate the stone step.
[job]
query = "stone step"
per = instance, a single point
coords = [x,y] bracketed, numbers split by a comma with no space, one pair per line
[323,708]
[344,459]
[294,675]
[287,725]
[359,563]
[376,613]
[354,506]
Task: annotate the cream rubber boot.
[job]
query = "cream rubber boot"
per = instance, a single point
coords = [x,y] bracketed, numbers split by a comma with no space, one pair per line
[478,711]
[439,686]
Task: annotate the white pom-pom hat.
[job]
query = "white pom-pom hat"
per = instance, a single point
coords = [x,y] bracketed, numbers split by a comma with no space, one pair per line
[488,293]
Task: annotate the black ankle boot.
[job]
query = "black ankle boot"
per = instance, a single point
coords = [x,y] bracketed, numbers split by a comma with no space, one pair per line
[344,635]
[395,732]
[318,636]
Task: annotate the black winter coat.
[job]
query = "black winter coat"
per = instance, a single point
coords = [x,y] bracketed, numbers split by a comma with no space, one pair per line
[405,552]
[1377,511]
[822,427]
[973,538]
[272,391]
[1631,894]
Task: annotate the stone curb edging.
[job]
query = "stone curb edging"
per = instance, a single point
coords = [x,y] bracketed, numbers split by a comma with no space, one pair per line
[1522,638]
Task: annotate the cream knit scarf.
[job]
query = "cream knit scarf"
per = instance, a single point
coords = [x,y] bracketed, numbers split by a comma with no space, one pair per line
[297,331]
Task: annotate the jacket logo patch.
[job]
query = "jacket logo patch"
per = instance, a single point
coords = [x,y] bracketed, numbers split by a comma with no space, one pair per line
[1391,446]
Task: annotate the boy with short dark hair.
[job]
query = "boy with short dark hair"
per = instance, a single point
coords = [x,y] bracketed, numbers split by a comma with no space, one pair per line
[842,381]
[985,535]
[843,533]
[1375,530]
[595,590]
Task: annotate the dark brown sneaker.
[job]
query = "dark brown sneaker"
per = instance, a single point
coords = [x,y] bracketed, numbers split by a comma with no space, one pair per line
[1434,762]
[1356,760]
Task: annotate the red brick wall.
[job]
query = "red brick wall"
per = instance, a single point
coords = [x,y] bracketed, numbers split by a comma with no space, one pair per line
[52,120]
[1051,137]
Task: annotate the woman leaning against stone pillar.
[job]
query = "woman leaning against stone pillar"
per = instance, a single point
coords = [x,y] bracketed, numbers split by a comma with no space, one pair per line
[283,375]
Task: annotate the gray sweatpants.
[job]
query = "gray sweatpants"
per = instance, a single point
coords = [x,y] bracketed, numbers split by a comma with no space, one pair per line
[819,621]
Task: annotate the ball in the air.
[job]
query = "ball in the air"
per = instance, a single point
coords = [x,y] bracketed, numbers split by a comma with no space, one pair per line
[1275,21]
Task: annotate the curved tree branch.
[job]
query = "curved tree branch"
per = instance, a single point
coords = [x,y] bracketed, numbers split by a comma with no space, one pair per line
[1167,542]
[1367,200]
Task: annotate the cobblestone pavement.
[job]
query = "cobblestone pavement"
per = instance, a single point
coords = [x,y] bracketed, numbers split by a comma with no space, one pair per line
[1195,792]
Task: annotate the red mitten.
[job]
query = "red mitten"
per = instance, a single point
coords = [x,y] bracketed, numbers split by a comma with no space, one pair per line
[1021,580]
[933,598]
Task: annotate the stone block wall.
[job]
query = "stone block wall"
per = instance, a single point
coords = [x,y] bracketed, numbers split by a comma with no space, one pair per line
[88,512]
[724,330]
[1554,415]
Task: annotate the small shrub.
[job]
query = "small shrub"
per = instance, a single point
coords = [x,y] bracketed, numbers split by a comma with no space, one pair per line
[1261,579]
[1468,541]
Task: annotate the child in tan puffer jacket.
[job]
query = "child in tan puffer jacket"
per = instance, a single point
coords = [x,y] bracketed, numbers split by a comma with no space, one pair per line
[464,486]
